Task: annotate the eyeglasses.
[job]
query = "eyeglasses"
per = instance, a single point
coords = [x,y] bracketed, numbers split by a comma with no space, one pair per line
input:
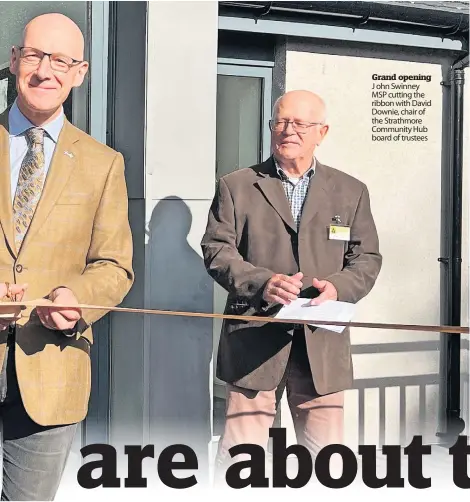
[59,62]
[300,127]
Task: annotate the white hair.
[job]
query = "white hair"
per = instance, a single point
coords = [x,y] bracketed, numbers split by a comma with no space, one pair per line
[278,100]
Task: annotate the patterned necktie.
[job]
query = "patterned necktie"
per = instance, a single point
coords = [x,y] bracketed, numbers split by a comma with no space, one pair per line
[30,184]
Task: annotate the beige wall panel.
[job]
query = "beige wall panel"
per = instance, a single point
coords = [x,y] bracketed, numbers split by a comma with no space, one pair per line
[404,181]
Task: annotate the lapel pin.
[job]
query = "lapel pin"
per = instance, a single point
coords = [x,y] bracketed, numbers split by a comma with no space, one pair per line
[69,154]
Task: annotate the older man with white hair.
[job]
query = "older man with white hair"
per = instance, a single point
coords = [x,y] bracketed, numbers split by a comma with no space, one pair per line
[269,240]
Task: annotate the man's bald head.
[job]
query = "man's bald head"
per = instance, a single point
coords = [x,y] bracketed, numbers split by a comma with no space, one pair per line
[310,103]
[48,65]
[55,33]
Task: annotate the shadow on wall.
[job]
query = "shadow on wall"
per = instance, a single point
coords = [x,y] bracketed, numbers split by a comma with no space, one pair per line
[180,347]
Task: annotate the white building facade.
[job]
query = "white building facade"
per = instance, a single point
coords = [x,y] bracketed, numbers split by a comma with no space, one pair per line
[184,90]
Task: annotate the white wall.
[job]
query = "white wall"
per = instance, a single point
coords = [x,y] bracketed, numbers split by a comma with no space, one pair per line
[180,183]
[404,181]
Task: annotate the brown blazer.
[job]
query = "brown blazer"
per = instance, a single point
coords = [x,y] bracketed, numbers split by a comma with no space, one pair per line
[79,238]
[251,236]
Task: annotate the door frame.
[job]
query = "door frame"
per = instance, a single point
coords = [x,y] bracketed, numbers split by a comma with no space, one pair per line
[263,70]
[95,426]
[260,69]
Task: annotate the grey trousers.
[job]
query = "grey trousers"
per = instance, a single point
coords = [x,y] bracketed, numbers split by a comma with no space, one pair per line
[34,456]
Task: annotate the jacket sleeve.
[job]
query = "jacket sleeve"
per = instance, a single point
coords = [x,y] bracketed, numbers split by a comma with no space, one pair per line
[222,259]
[108,275]
[362,261]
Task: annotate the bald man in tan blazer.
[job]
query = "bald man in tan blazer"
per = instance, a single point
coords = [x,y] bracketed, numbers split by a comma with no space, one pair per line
[65,233]
[267,243]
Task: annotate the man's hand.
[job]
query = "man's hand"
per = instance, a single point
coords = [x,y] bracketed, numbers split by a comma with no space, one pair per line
[15,293]
[283,288]
[327,292]
[57,318]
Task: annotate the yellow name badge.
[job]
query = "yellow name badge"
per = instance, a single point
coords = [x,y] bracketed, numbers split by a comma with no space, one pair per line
[340,233]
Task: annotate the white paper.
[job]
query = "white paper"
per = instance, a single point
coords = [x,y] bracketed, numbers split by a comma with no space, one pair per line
[328,311]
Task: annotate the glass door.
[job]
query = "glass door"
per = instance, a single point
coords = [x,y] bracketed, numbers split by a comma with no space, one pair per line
[244,98]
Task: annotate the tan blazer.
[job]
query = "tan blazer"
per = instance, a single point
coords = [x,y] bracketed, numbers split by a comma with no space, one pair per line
[251,236]
[79,238]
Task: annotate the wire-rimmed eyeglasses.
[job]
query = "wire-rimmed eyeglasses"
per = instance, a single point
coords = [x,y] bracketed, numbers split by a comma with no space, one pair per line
[298,126]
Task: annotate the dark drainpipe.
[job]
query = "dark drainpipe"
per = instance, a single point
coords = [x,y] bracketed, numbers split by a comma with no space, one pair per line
[451,423]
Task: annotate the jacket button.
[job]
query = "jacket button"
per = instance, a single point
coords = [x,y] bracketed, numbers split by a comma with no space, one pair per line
[19,268]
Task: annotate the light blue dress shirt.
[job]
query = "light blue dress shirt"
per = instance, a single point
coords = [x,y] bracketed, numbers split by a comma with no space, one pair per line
[18,124]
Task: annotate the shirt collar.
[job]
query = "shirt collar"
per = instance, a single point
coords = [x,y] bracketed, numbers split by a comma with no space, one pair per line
[283,175]
[18,123]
